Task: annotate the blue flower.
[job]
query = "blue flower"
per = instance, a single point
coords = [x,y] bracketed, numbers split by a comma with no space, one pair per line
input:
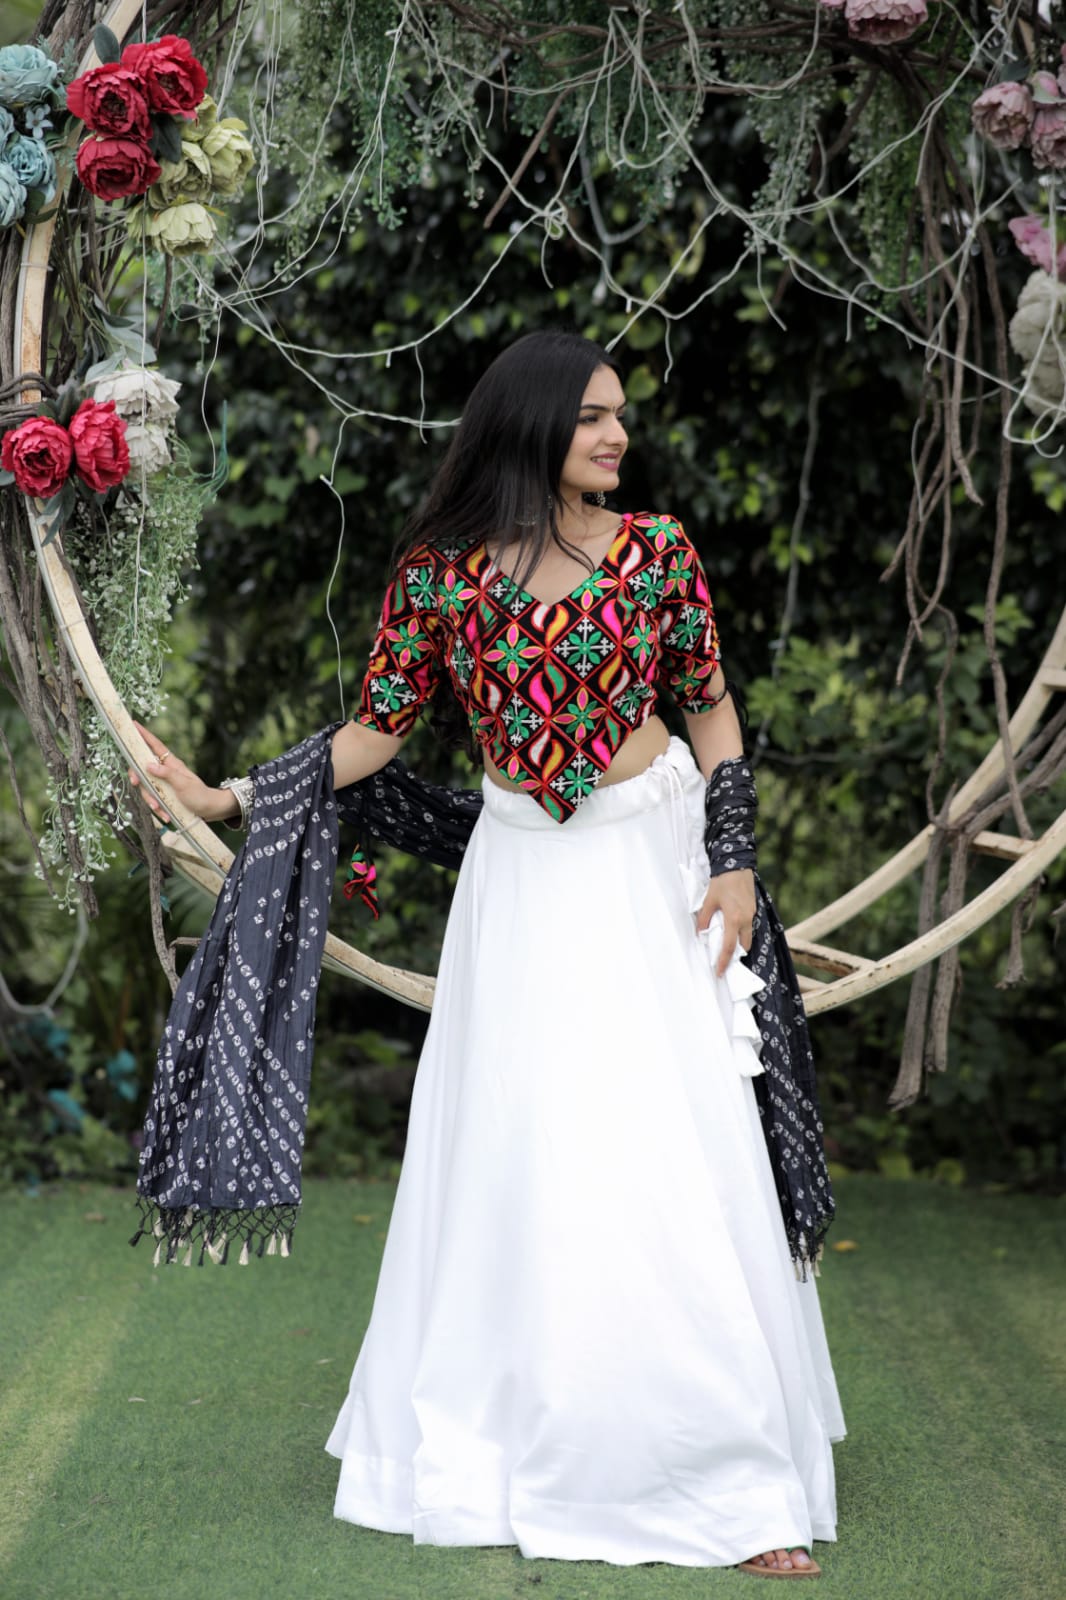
[33,164]
[36,120]
[7,126]
[12,196]
[27,75]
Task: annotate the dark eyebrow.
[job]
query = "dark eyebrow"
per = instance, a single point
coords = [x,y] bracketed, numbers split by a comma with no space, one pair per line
[595,406]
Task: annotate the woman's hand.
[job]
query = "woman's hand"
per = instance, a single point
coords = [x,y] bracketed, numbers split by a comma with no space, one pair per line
[733,894]
[170,772]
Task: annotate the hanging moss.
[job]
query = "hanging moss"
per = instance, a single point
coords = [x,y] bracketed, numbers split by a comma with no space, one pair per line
[132,569]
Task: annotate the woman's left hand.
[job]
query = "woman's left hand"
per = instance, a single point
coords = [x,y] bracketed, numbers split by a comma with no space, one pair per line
[733,894]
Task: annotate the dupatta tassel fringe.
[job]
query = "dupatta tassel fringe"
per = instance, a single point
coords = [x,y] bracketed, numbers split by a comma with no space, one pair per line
[267,1230]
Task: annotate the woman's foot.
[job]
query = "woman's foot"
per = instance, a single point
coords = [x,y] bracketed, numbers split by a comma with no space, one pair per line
[782,1562]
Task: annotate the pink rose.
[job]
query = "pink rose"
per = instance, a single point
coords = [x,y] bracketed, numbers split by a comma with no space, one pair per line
[101,454]
[113,168]
[1034,241]
[174,80]
[884,21]
[39,453]
[110,99]
[1002,114]
[1047,137]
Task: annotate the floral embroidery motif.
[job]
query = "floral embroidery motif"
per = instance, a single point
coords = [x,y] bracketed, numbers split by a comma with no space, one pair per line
[585,648]
[566,683]
[521,721]
[511,652]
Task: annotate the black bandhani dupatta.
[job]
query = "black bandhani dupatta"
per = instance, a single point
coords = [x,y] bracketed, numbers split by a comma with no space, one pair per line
[224,1132]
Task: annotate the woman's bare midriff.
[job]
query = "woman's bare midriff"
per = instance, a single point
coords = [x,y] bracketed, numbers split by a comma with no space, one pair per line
[635,756]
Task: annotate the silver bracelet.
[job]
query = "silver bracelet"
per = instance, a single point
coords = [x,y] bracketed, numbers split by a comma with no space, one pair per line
[243,790]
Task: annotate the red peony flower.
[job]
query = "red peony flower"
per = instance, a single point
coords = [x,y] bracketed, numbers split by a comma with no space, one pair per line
[39,453]
[111,99]
[113,168]
[174,80]
[101,454]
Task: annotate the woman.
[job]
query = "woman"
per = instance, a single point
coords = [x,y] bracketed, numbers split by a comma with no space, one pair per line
[588,1338]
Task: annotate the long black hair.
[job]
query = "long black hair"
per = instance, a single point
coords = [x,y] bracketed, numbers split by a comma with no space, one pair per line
[499,480]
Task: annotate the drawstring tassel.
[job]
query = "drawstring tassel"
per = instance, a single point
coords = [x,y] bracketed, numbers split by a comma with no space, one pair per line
[245,1257]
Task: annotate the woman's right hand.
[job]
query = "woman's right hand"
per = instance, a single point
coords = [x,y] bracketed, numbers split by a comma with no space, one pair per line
[169,772]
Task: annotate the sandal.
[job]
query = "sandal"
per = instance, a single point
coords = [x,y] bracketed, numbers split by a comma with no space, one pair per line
[813,1571]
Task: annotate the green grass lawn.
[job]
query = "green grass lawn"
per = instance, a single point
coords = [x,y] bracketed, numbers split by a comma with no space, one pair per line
[161,1432]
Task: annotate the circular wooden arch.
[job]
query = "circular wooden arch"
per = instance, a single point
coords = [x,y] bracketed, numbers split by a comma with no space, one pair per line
[201,855]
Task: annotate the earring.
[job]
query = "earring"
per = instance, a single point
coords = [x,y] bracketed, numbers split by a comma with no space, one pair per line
[600,498]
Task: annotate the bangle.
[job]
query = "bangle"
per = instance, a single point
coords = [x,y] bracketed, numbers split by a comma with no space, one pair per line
[243,791]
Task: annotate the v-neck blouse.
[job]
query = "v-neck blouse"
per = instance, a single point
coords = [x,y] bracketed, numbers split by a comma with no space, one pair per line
[552,689]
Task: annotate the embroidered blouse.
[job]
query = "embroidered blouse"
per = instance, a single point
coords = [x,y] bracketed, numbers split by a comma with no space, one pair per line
[552,690]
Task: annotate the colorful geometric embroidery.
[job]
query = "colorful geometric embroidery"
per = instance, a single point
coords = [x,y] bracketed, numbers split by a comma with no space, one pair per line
[563,684]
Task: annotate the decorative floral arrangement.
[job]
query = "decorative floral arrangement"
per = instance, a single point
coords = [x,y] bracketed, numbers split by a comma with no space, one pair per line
[1015,114]
[155,135]
[41,455]
[1026,110]
[121,430]
[30,87]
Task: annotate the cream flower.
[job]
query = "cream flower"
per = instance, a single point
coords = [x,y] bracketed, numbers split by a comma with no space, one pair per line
[1038,334]
[148,447]
[230,155]
[182,230]
[139,392]
[188,179]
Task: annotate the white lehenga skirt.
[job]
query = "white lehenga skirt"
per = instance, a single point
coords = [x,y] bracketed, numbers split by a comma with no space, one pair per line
[588,1338]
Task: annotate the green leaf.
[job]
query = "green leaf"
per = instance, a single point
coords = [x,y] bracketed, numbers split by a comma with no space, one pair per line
[642,383]
[55,520]
[1015,71]
[105,44]
[166,139]
[100,369]
[645,333]
[6,478]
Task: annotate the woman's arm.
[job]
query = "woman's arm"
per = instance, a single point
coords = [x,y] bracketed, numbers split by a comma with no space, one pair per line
[715,734]
[357,752]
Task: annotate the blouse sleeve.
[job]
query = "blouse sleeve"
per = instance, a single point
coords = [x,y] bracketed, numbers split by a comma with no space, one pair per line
[688,634]
[404,667]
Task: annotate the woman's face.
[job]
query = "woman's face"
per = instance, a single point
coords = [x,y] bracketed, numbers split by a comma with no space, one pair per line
[600,441]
